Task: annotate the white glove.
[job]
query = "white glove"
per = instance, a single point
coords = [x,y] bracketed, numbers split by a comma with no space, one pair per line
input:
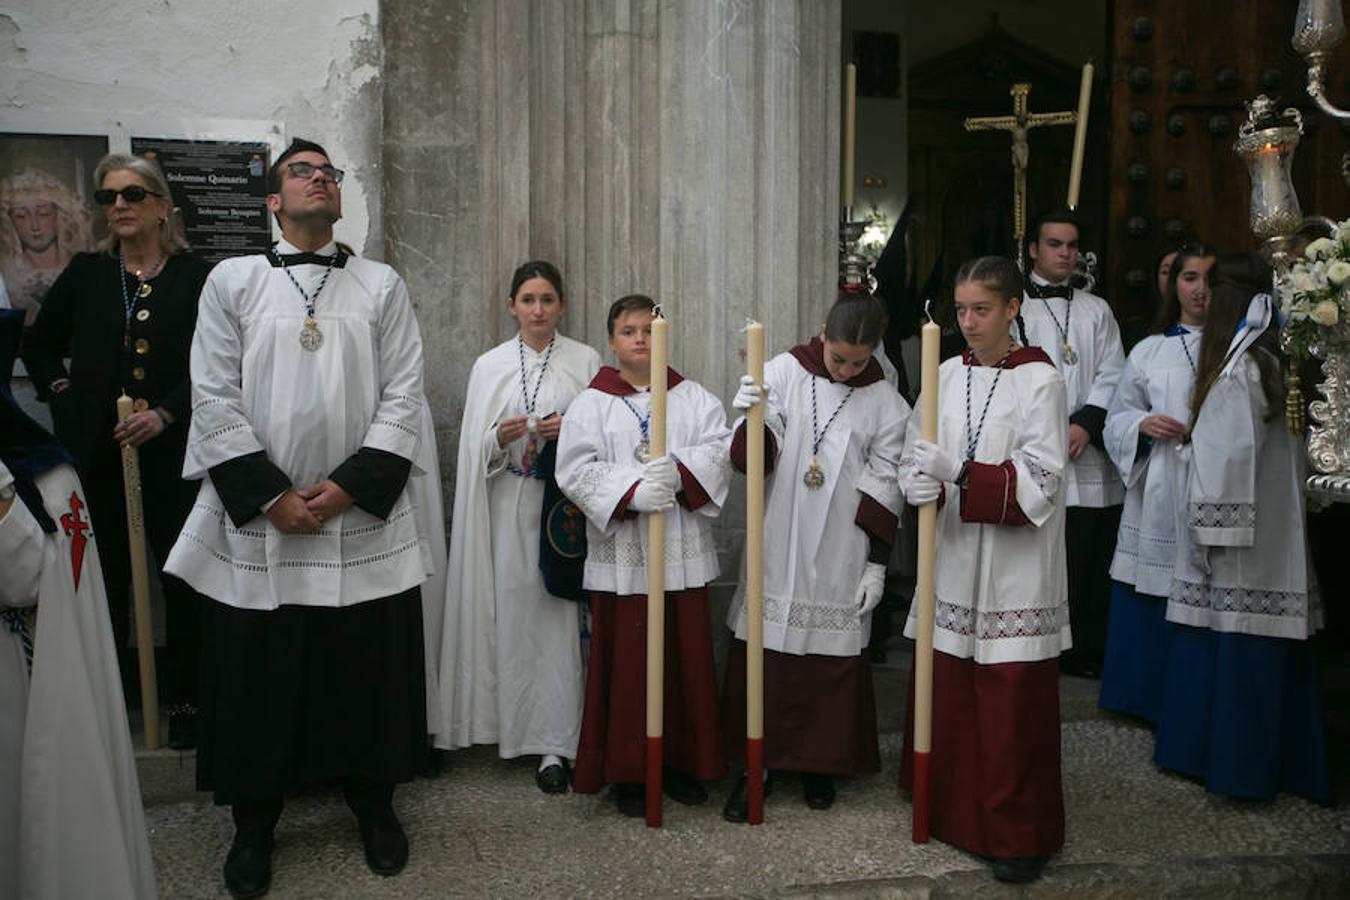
[1200,557]
[933,460]
[652,496]
[920,489]
[871,587]
[662,471]
[749,395]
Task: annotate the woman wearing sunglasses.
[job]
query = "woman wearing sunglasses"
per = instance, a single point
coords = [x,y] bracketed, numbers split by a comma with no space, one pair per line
[123,318]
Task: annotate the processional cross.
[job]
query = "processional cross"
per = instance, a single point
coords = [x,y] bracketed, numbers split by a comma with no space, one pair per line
[1019,123]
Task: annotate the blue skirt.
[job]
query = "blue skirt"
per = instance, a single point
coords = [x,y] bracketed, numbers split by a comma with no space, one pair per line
[1243,714]
[1134,673]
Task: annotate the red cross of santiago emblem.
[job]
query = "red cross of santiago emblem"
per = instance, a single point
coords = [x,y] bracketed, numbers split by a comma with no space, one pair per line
[75,527]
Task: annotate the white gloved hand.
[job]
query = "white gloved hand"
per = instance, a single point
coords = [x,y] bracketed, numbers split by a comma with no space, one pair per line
[749,395]
[662,471]
[1200,557]
[871,588]
[652,496]
[933,460]
[920,489]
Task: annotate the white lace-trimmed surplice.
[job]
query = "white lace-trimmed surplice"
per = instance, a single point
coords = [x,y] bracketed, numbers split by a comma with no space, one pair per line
[255,388]
[1158,379]
[1002,591]
[1092,480]
[596,467]
[510,655]
[814,553]
[1244,502]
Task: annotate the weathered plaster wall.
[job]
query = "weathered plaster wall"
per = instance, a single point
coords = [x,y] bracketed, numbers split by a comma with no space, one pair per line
[313,67]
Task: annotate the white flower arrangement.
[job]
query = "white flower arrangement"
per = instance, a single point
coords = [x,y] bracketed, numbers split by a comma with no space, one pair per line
[1315,293]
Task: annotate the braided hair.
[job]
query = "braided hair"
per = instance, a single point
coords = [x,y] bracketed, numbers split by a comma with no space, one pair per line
[998,275]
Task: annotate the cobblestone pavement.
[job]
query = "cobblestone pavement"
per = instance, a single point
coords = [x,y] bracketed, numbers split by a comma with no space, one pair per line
[482,829]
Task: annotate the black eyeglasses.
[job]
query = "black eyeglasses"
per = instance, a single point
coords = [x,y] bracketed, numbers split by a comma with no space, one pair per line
[307,170]
[132,193]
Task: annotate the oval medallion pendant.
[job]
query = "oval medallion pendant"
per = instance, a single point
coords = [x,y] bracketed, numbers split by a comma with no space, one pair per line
[814,478]
[1070,358]
[643,451]
[311,338]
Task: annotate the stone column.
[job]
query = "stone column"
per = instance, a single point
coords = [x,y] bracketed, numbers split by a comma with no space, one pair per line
[687,149]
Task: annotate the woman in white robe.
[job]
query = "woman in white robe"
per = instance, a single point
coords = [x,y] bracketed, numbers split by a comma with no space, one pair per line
[511,665]
[998,473]
[1144,428]
[1243,708]
[834,428]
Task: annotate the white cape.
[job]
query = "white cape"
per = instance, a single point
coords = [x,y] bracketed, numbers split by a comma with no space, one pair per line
[510,652]
[80,823]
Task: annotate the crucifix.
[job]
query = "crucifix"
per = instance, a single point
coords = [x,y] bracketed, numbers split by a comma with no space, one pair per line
[1019,123]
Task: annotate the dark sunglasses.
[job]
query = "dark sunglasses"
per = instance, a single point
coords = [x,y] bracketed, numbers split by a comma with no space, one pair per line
[307,170]
[132,193]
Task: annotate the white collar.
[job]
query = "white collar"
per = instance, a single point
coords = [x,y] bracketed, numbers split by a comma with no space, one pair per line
[286,247]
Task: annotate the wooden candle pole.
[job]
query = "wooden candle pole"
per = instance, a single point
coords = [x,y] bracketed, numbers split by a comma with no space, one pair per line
[1080,135]
[656,582]
[923,593]
[850,120]
[754,579]
[140,583]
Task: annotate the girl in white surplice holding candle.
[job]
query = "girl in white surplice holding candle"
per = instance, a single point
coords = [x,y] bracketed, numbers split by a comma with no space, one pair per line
[1001,617]
[833,433]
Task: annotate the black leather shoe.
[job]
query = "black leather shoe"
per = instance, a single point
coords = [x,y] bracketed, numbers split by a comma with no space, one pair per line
[1080,666]
[818,790]
[552,779]
[385,843]
[683,788]
[631,799]
[737,807]
[1019,870]
[248,866]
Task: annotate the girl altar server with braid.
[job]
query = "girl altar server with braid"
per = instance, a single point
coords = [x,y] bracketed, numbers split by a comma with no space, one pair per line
[511,651]
[834,429]
[605,467]
[1144,429]
[1001,619]
[1243,709]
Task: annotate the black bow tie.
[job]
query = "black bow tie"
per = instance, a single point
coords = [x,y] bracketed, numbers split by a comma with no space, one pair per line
[338,260]
[1049,290]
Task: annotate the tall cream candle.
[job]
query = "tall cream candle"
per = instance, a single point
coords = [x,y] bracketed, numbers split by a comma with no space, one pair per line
[1080,135]
[656,582]
[754,580]
[850,121]
[923,591]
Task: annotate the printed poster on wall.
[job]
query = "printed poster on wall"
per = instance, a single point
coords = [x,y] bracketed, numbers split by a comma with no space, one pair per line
[220,188]
[47,215]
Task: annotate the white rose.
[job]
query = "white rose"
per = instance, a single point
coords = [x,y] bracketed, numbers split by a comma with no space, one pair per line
[1326,313]
[1320,248]
[1342,232]
[1303,281]
[1338,272]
